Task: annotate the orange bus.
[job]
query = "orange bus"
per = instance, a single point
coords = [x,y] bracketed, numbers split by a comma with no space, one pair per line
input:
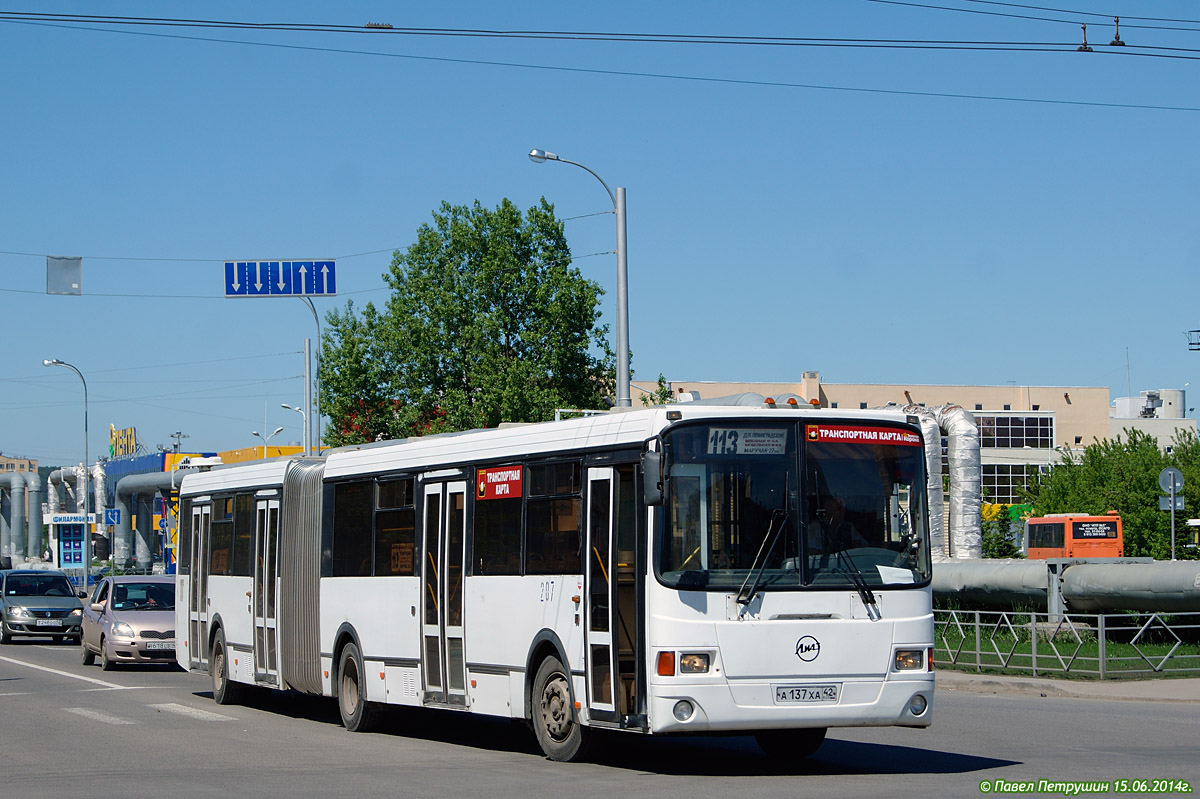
[1074,535]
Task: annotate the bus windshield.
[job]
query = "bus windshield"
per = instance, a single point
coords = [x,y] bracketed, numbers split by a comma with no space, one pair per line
[810,506]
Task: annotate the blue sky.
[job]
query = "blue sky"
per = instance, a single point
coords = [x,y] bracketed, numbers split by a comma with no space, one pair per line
[790,208]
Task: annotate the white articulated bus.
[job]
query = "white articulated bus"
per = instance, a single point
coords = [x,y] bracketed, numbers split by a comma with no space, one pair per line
[680,569]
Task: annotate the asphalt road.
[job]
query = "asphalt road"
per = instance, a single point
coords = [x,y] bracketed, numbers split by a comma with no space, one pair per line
[68,729]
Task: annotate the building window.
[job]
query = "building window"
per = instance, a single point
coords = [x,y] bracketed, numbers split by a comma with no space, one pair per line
[978,406]
[862,406]
[1037,407]
[1016,432]
[1078,439]
[833,405]
[1007,407]
[1005,483]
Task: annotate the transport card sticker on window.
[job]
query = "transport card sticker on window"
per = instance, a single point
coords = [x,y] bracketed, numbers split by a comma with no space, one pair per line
[503,482]
[746,441]
[845,434]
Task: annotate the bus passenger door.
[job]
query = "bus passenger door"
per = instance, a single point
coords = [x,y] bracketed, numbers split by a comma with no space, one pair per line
[601,595]
[198,598]
[442,652]
[266,571]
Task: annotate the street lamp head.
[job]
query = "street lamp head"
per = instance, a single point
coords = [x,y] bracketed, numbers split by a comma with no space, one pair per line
[52,362]
[541,156]
[276,431]
[256,434]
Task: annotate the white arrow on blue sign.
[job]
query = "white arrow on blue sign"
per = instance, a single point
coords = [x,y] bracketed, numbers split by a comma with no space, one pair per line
[280,278]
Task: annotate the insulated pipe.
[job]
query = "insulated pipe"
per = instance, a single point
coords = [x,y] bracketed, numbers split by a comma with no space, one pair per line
[143,552]
[70,479]
[5,515]
[1167,586]
[993,583]
[1086,586]
[33,482]
[53,487]
[125,489]
[962,453]
[16,530]
[99,497]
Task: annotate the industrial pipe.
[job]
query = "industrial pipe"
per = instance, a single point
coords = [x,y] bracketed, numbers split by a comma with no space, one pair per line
[125,489]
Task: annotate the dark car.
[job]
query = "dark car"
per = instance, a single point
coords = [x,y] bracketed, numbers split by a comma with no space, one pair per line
[39,603]
[130,619]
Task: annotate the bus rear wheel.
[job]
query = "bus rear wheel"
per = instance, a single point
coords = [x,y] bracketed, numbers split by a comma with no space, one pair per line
[358,715]
[788,745]
[555,724]
[225,690]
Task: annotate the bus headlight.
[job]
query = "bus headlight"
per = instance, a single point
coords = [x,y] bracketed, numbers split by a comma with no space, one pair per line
[683,710]
[917,705]
[909,660]
[696,663]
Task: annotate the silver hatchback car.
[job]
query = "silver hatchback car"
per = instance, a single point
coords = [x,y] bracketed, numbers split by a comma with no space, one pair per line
[129,619]
[38,603]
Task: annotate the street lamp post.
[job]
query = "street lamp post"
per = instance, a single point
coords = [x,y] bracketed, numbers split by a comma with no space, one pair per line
[87,532]
[308,383]
[269,436]
[618,201]
[304,418]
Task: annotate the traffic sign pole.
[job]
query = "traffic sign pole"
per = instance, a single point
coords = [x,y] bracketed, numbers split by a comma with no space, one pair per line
[1171,479]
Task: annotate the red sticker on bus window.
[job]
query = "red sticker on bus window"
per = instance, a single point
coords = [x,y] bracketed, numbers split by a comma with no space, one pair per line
[501,482]
[860,435]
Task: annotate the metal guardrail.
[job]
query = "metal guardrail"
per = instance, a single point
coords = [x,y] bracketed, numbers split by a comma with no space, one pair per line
[1104,645]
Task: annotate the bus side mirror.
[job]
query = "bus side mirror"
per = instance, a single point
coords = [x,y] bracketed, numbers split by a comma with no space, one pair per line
[652,478]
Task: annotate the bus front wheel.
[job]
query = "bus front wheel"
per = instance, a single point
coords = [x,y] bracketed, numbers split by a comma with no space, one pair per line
[358,715]
[225,690]
[790,744]
[555,724]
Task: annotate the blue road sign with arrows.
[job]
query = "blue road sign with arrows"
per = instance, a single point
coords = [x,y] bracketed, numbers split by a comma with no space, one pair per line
[280,278]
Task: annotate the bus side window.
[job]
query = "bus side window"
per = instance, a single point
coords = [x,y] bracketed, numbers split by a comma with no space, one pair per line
[552,520]
[352,509]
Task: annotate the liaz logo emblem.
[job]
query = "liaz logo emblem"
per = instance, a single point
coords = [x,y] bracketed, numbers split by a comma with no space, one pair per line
[807,648]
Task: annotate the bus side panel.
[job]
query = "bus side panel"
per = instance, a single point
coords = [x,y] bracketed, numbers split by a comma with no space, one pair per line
[229,600]
[503,615]
[383,612]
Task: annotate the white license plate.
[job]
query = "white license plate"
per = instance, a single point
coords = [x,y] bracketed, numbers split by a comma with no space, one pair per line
[807,694]
[160,644]
[47,623]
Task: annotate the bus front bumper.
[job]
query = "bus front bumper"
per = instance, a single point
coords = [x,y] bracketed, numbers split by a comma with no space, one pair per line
[748,706]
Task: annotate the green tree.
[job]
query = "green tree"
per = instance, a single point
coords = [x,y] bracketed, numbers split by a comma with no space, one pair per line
[661,394]
[1002,537]
[488,322]
[1122,475]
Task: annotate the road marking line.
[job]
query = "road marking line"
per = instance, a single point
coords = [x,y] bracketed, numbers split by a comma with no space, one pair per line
[18,693]
[95,715]
[192,712]
[65,674]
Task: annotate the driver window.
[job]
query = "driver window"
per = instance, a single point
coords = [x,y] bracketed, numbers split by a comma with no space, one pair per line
[101,592]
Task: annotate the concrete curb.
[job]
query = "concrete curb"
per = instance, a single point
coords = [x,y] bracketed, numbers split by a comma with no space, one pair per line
[1158,690]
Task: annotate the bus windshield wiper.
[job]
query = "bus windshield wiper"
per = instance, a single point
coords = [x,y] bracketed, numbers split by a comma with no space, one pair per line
[850,568]
[744,597]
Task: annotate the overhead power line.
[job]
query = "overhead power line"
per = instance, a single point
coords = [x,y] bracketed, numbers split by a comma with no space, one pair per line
[81,21]
[694,78]
[1035,18]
